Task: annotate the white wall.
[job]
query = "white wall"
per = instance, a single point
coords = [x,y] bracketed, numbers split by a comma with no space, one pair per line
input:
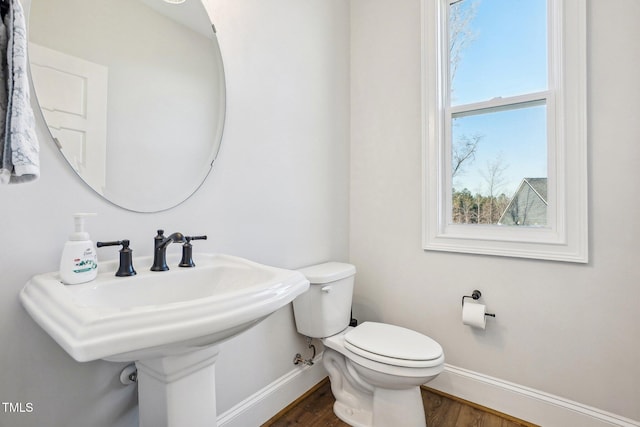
[566,329]
[278,194]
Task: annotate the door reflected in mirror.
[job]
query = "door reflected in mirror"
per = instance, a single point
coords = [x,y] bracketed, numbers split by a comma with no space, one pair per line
[132,92]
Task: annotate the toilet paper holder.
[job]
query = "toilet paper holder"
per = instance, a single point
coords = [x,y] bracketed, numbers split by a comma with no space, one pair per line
[476,294]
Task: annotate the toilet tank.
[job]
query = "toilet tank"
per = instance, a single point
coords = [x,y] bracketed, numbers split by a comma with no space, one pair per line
[325,309]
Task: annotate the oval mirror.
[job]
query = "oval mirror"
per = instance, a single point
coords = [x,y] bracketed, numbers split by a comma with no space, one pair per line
[132,92]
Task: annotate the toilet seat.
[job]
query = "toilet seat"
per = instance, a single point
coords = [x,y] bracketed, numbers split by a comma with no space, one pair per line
[393,345]
[383,364]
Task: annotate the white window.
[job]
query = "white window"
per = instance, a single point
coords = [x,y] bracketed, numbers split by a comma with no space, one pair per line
[504,128]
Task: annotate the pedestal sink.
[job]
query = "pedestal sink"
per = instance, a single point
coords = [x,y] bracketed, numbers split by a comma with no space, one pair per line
[168,322]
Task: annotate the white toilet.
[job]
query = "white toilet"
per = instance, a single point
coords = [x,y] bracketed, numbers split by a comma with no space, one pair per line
[375,369]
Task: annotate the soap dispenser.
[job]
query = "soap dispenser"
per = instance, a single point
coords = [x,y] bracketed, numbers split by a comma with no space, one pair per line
[79,262]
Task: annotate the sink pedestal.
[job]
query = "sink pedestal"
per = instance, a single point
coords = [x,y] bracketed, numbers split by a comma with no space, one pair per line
[178,391]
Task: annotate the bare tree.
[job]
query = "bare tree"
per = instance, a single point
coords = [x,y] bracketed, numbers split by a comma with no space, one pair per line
[461,34]
[494,178]
[463,151]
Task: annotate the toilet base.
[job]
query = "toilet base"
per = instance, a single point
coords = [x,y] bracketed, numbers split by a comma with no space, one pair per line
[360,404]
[352,416]
[391,408]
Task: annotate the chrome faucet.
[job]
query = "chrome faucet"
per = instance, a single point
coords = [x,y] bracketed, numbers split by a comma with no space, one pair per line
[160,243]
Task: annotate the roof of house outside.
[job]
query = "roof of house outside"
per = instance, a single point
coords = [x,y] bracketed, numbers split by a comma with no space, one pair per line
[523,209]
[539,185]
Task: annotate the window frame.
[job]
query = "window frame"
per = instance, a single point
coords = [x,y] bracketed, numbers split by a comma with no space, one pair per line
[565,238]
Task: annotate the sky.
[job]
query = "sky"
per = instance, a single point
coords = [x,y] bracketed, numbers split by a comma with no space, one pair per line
[506,57]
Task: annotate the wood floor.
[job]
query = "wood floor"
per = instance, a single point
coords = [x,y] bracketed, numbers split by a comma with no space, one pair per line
[315,409]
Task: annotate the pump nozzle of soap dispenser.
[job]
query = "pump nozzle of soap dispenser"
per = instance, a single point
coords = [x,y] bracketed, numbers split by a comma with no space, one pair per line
[78,222]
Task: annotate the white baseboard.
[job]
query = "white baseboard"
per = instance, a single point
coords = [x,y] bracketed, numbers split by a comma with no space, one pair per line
[513,399]
[267,402]
[522,402]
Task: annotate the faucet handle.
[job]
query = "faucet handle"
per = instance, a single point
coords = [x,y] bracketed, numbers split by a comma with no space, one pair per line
[187,251]
[126,257]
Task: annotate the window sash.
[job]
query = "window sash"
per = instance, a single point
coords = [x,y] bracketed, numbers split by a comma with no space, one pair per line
[500,104]
[545,98]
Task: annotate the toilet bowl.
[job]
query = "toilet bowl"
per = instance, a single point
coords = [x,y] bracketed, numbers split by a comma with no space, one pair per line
[375,369]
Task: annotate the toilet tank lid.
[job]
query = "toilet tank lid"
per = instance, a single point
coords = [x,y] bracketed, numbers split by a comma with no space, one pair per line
[327,272]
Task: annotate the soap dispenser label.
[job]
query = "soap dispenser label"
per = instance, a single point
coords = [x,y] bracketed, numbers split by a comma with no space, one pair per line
[86,263]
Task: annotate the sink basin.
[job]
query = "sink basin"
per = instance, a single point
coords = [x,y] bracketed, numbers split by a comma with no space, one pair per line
[158,314]
[168,322]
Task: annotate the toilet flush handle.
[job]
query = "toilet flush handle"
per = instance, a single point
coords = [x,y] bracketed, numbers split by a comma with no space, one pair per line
[326,289]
